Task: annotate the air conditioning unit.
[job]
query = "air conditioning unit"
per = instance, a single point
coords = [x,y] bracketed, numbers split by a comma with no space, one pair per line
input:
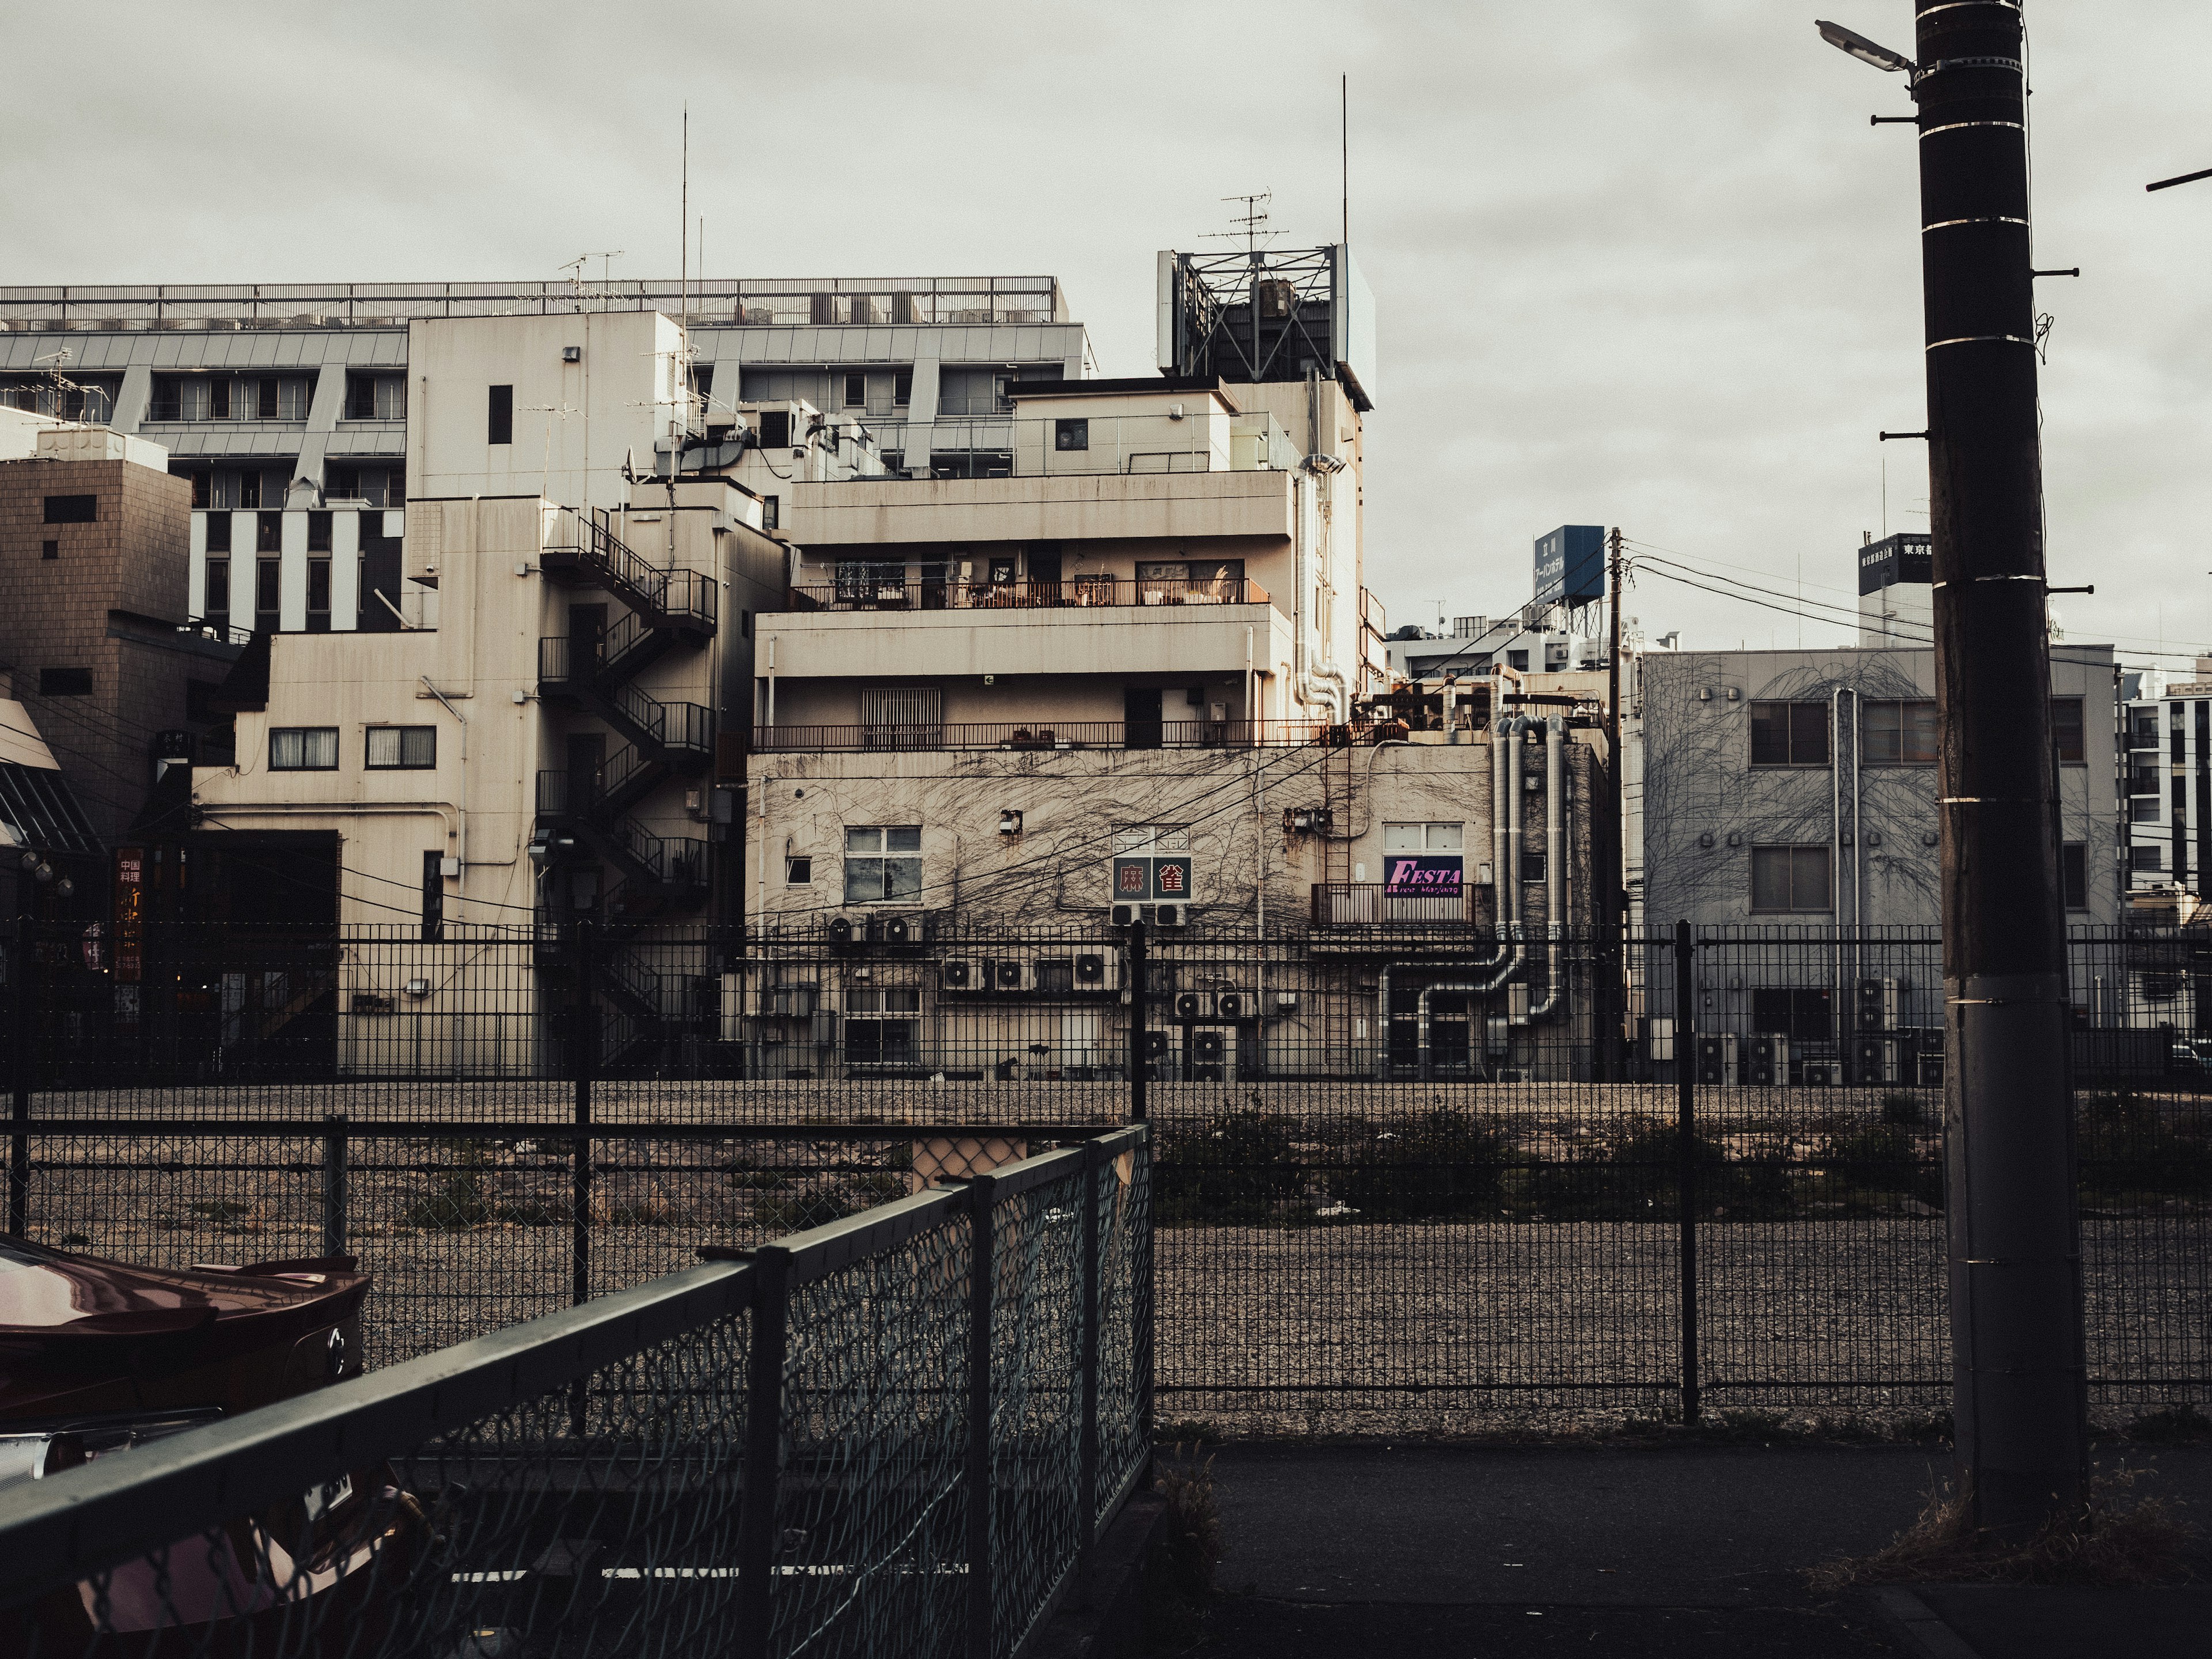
[1171,915]
[1194,1005]
[1208,1045]
[1098,970]
[1769,1060]
[1716,1057]
[960,974]
[844,929]
[1129,915]
[1878,1005]
[1011,974]
[902,930]
[1156,1044]
[1824,1073]
[1233,1005]
[1930,1067]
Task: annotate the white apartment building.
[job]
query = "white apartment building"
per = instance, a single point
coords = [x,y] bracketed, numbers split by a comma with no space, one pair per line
[535,735]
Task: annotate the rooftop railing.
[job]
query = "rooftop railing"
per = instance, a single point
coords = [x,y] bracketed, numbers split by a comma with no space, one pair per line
[987,445]
[889,592]
[1039,735]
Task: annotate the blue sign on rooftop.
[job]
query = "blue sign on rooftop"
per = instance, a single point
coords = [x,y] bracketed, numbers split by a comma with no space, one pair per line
[1570,565]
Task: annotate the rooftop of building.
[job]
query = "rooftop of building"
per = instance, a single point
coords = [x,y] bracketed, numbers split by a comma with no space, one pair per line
[721,302]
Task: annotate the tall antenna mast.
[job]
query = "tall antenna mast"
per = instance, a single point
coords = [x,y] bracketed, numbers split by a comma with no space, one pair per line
[684,222]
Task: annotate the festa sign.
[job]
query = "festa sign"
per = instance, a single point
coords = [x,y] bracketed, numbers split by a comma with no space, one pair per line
[1413,875]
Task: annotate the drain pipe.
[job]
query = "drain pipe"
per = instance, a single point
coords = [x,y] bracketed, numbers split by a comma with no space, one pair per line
[1511,950]
[1502,737]
[1555,867]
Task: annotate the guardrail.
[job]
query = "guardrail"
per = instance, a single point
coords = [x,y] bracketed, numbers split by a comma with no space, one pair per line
[894,592]
[923,737]
[899,1433]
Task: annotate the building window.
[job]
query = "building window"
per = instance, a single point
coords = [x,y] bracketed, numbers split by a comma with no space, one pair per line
[1518,660]
[901,388]
[376,397]
[2143,809]
[1901,733]
[303,747]
[502,415]
[2074,874]
[880,1023]
[776,428]
[1071,434]
[797,872]
[1424,837]
[218,588]
[218,400]
[2148,856]
[50,549]
[267,585]
[402,748]
[268,533]
[265,399]
[2066,731]
[72,509]
[1801,1015]
[65,682]
[318,533]
[319,595]
[218,532]
[771,512]
[433,895]
[1791,880]
[856,391]
[1789,734]
[882,864]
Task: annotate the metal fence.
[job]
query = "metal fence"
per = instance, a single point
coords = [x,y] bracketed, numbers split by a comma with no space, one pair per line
[1411,1175]
[900,1432]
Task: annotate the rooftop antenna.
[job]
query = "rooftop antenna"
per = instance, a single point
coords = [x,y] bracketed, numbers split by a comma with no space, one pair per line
[576,267]
[1251,224]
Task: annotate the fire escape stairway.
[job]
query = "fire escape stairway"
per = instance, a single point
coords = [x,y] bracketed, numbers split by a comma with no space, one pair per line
[634,1025]
[596,675]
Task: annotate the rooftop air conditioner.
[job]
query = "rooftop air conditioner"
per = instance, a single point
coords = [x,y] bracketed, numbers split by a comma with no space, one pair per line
[1233,1005]
[902,930]
[1129,915]
[1171,915]
[1194,1005]
[1011,974]
[960,974]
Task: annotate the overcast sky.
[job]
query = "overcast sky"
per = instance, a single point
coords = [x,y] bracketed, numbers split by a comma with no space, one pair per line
[1634,263]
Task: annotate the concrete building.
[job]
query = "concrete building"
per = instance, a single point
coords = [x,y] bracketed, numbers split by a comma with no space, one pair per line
[93,538]
[537,739]
[1897,595]
[2166,773]
[1796,791]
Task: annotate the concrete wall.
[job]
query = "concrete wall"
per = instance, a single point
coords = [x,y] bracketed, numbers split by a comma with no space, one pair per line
[1699,784]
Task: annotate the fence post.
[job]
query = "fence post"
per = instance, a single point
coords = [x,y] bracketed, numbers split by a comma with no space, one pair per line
[1140,1108]
[1146,1312]
[20,1066]
[980,1265]
[584,1056]
[1686,1155]
[1086,1480]
[334,1183]
[763,1452]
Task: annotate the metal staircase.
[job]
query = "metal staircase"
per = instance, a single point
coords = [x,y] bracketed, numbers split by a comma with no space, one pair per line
[663,741]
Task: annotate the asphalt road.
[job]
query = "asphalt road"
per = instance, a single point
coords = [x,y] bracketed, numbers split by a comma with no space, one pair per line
[1419,1551]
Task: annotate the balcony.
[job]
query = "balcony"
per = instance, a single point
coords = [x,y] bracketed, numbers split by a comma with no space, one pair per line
[1043,736]
[1073,593]
[1371,904]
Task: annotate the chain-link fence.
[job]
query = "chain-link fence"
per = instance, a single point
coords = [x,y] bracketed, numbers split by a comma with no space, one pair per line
[1412,1176]
[900,1432]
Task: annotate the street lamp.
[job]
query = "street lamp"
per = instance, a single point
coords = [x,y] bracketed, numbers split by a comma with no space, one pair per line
[1866,50]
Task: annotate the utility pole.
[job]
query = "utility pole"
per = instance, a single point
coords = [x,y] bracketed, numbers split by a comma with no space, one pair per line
[1615,920]
[2018,1378]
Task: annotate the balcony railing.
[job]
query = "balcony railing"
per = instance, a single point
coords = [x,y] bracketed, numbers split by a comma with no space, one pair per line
[1046,735]
[1072,593]
[1371,904]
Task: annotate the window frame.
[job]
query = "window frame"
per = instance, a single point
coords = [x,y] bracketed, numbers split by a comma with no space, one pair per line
[2073,875]
[74,508]
[417,738]
[1905,710]
[1802,856]
[1071,432]
[854,377]
[1792,739]
[68,681]
[2076,725]
[1428,827]
[499,418]
[303,734]
[870,866]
